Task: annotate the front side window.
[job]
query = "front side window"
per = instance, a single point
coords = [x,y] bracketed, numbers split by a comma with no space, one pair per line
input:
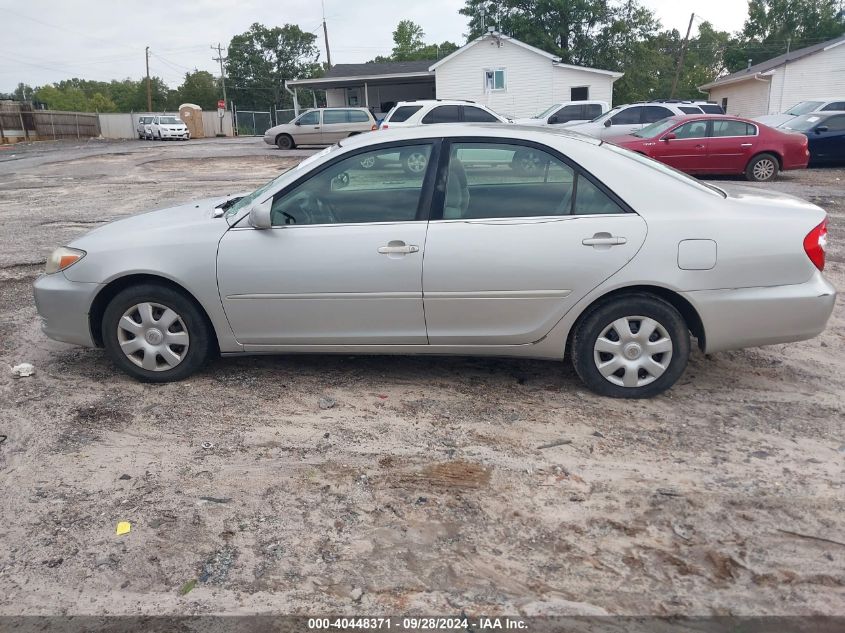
[504,180]
[592,111]
[693,129]
[477,115]
[836,105]
[443,114]
[310,118]
[494,79]
[733,128]
[375,186]
[628,116]
[804,107]
[570,113]
[403,113]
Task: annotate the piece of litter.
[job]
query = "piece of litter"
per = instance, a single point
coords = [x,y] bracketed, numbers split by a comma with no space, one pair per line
[207,445]
[216,499]
[23,370]
[123,528]
[186,588]
[326,402]
[555,443]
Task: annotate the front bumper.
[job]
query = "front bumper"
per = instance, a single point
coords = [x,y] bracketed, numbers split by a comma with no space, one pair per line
[748,317]
[182,135]
[270,140]
[63,306]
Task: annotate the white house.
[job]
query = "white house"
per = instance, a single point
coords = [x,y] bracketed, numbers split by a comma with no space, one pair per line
[509,76]
[516,79]
[773,86]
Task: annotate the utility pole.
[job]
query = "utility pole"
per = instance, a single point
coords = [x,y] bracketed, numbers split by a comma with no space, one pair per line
[681,58]
[326,38]
[221,59]
[149,87]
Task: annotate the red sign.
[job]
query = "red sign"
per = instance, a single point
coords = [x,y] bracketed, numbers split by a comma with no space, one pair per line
[221,104]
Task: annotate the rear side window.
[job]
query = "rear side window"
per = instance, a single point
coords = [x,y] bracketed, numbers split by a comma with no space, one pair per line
[571,113]
[477,115]
[593,110]
[733,128]
[836,105]
[356,116]
[690,109]
[711,108]
[334,116]
[403,113]
[652,114]
[628,116]
[590,200]
[443,114]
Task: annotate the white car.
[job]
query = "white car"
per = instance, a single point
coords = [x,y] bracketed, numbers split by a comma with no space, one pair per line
[143,127]
[427,111]
[167,126]
[818,104]
[627,119]
[567,112]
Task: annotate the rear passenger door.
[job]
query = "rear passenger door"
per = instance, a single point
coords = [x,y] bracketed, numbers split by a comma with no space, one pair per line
[829,145]
[731,145]
[625,122]
[335,125]
[517,237]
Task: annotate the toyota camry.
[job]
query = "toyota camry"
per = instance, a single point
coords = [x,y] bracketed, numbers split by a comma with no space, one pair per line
[508,241]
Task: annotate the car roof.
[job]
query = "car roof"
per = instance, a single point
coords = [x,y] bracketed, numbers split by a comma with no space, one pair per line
[440,102]
[710,117]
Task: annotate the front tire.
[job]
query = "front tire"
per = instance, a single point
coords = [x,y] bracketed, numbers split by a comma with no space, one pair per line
[156,334]
[762,168]
[633,346]
[283,141]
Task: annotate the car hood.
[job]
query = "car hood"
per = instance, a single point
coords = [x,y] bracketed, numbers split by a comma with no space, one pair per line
[773,120]
[529,121]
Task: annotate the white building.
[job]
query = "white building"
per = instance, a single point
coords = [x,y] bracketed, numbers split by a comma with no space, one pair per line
[508,76]
[773,86]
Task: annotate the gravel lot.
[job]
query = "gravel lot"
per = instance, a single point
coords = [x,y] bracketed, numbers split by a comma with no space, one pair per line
[423,488]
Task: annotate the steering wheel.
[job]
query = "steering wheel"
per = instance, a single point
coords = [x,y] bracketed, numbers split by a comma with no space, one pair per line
[315,210]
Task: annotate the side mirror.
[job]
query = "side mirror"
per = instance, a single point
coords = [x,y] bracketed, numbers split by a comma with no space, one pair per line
[554,119]
[821,129]
[668,137]
[259,214]
[607,123]
[297,123]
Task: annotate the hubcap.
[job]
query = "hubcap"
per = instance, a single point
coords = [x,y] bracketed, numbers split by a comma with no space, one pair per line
[417,162]
[153,336]
[633,351]
[764,169]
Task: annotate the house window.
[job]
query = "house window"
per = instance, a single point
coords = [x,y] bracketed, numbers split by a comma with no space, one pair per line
[582,93]
[494,79]
[725,105]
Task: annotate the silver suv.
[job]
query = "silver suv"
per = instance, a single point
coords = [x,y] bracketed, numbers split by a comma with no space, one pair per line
[627,119]
[320,126]
[423,112]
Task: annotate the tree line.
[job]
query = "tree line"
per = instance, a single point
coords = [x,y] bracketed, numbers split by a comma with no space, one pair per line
[620,35]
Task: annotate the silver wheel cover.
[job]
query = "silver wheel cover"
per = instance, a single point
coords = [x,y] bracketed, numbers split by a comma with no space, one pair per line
[153,336]
[764,169]
[633,351]
[416,162]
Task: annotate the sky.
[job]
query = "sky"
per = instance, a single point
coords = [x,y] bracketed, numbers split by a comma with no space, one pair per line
[45,41]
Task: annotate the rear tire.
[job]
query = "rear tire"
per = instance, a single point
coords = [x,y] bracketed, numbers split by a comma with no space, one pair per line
[283,141]
[633,346]
[762,168]
[156,334]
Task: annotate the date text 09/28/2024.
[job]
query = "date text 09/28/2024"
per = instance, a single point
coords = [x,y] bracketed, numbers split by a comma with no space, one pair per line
[417,624]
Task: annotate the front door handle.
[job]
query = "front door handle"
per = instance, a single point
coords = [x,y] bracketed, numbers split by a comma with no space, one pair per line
[746,144]
[605,240]
[397,247]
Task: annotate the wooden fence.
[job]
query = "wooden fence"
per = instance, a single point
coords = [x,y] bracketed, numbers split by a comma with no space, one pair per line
[18,122]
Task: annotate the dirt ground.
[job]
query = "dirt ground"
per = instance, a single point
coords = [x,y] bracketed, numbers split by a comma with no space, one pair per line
[425,488]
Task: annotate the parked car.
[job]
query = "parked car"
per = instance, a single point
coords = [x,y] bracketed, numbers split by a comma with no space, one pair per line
[165,127]
[818,104]
[720,144]
[143,127]
[627,119]
[321,126]
[602,254]
[568,112]
[428,111]
[825,132]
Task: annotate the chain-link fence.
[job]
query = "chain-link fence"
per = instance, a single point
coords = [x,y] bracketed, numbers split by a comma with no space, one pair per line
[252,122]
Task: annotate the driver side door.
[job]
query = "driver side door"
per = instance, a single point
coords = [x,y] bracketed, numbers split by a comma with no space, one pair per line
[342,264]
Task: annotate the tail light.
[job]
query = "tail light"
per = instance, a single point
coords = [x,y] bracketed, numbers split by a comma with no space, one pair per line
[373,127]
[815,244]
[384,126]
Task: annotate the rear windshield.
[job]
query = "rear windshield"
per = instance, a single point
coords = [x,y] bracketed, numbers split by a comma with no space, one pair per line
[403,113]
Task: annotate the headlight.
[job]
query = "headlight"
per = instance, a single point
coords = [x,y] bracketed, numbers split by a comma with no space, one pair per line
[62,258]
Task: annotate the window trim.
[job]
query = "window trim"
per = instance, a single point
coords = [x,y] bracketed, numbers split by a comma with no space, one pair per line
[494,70]
[445,151]
[424,205]
[713,122]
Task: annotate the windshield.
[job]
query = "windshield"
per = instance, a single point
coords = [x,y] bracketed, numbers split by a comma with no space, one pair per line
[804,107]
[169,120]
[248,200]
[669,171]
[655,129]
[546,112]
[802,123]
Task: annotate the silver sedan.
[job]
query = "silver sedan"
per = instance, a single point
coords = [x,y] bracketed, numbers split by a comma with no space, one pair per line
[509,241]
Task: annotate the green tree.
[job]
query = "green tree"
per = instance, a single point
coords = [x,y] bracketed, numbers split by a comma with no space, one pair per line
[261,59]
[201,88]
[409,45]
[98,102]
[23,92]
[773,26]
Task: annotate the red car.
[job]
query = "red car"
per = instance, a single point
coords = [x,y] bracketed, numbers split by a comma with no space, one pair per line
[719,144]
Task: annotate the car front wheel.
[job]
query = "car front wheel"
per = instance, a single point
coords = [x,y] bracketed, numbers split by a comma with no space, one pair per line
[155,333]
[284,142]
[762,168]
[633,346]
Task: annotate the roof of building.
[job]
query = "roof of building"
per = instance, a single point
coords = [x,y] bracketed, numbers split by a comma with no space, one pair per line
[770,64]
[378,68]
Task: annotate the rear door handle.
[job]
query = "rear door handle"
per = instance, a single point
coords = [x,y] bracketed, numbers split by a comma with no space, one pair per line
[398,248]
[604,240]
[746,144]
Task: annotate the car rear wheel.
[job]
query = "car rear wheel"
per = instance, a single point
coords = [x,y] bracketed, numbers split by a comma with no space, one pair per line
[156,334]
[633,346]
[283,141]
[762,168]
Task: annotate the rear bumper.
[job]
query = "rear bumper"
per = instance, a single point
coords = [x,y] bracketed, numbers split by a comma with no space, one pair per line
[63,306]
[748,317]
